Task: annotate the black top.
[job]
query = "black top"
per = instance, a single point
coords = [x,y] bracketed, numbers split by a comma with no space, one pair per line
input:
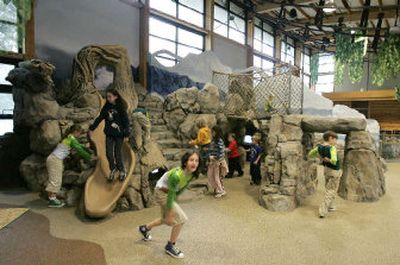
[116,121]
[325,151]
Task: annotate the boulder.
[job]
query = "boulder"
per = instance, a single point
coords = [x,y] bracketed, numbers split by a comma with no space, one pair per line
[73,196]
[275,125]
[174,118]
[78,115]
[243,88]
[134,199]
[363,179]
[270,189]
[184,98]
[140,133]
[70,177]
[290,133]
[88,100]
[44,139]
[290,149]
[360,140]
[293,119]
[188,129]
[338,125]
[33,169]
[208,99]
[278,202]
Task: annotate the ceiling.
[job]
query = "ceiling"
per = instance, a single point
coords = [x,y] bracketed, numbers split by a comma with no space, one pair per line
[303,25]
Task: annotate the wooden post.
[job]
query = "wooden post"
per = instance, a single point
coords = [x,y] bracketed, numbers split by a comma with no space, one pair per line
[297,54]
[209,24]
[144,43]
[250,39]
[278,44]
[29,52]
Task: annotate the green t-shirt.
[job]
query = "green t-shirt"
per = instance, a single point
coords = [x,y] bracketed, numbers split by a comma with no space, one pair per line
[177,182]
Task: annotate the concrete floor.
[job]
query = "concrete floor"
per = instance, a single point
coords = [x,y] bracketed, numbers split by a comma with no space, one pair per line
[236,230]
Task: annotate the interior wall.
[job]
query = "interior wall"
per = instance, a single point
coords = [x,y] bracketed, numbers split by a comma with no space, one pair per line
[230,53]
[366,83]
[63,27]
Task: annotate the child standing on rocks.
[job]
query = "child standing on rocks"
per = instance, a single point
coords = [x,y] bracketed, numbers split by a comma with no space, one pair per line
[328,154]
[55,161]
[233,157]
[217,167]
[168,187]
[255,160]
[116,130]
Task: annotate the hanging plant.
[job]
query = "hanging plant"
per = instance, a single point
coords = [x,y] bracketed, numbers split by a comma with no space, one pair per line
[387,62]
[314,68]
[397,93]
[350,53]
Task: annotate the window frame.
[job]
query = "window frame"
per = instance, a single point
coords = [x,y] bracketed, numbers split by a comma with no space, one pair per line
[306,51]
[176,42]
[329,73]
[266,58]
[227,24]
[273,34]
[284,41]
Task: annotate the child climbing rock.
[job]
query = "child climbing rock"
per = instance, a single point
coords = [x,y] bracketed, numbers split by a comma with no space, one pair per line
[217,167]
[55,167]
[233,157]
[203,140]
[116,130]
[167,189]
[328,154]
[255,160]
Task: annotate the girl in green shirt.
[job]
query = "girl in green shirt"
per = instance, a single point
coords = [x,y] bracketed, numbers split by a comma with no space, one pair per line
[167,189]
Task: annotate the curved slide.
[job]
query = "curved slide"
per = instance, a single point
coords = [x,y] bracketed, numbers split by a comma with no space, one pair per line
[101,195]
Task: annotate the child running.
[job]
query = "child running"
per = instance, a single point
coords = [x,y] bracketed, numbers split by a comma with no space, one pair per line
[55,165]
[255,160]
[116,130]
[328,154]
[217,167]
[167,189]
[203,140]
[233,157]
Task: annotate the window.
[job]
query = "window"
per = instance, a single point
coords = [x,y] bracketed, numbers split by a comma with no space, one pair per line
[6,100]
[229,21]
[174,39]
[287,50]
[266,64]
[305,67]
[9,41]
[264,40]
[326,68]
[191,11]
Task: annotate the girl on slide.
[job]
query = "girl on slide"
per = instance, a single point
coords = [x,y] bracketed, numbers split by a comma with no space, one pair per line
[168,187]
[116,130]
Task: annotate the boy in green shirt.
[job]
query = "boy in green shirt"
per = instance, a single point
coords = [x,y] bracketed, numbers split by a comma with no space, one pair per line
[55,167]
[328,154]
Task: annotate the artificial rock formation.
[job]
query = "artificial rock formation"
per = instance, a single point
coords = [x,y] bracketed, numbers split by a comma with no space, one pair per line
[290,176]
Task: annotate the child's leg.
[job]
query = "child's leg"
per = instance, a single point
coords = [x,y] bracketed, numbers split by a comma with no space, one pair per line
[176,230]
[257,172]
[154,223]
[55,170]
[231,166]
[238,167]
[252,173]
[118,154]
[332,180]
[110,144]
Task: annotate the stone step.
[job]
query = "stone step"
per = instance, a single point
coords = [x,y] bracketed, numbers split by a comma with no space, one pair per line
[150,105]
[157,122]
[159,128]
[170,143]
[173,154]
[162,135]
[155,115]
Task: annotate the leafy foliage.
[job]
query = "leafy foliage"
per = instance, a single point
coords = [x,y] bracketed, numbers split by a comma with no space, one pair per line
[314,68]
[387,63]
[397,93]
[350,53]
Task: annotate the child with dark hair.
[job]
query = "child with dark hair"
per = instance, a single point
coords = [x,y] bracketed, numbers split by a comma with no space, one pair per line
[255,160]
[55,163]
[167,189]
[217,167]
[328,154]
[233,157]
[116,130]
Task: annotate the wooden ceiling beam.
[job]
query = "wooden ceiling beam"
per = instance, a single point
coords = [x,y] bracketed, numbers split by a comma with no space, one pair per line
[347,6]
[267,7]
[304,12]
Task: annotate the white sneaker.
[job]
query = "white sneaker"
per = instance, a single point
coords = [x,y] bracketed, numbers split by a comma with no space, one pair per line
[332,209]
[220,194]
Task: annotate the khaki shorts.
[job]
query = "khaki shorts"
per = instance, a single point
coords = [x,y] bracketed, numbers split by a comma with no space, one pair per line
[161,198]
[55,170]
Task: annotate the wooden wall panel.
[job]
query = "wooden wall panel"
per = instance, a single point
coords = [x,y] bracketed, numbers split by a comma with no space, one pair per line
[387,113]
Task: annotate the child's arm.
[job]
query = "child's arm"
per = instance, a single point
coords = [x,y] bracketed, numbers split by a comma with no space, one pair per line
[80,150]
[258,159]
[333,159]
[313,153]
[97,121]
[173,181]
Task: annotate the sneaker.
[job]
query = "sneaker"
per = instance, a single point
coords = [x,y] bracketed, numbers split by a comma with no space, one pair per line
[322,216]
[145,232]
[220,194]
[122,175]
[111,177]
[55,203]
[173,251]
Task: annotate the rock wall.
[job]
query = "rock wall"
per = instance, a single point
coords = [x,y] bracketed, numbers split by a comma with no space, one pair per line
[290,176]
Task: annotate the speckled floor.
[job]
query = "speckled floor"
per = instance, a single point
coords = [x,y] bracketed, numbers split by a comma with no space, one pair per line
[235,230]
